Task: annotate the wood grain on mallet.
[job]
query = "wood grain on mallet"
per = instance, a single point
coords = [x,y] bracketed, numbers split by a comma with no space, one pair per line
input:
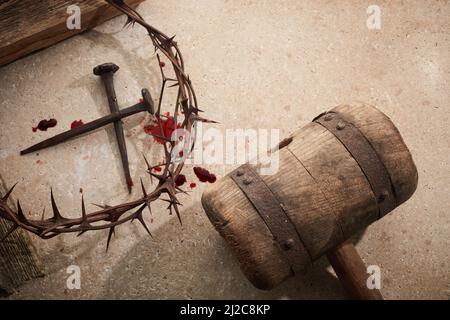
[29,25]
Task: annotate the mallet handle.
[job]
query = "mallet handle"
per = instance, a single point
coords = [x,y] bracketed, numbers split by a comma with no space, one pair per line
[352,272]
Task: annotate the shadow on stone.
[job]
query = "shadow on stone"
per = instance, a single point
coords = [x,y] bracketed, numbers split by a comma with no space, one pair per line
[194,262]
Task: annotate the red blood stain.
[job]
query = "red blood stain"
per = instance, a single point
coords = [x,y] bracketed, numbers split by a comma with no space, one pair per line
[130,183]
[141,100]
[157,169]
[167,126]
[204,175]
[162,64]
[81,190]
[192,185]
[76,124]
[181,153]
[43,125]
[39,161]
[181,179]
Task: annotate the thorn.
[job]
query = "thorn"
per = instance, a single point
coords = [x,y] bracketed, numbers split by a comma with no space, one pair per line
[171,201]
[197,118]
[6,196]
[138,216]
[56,214]
[173,85]
[143,189]
[195,109]
[100,206]
[129,22]
[111,232]
[167,43]
[157,176]
[80,233]
[147,163]
[147,202]
[11,230]
[177,212]
[84,223]
[20,214]
[113,219]
[181,190]
[83,209]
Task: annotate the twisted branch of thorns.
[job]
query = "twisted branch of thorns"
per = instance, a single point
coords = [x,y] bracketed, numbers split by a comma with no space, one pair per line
[111,216]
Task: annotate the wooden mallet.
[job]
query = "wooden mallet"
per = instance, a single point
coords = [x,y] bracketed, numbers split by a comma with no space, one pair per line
[346,169]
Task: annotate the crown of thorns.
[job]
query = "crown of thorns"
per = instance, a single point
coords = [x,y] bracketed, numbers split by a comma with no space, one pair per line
[167,173]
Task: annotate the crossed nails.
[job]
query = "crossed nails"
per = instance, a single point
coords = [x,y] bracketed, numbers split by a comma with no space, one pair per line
[106,72]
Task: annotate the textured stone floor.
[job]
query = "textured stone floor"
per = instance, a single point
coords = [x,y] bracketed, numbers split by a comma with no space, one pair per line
[259,64]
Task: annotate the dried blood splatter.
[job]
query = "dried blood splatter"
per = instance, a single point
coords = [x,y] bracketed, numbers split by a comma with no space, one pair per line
[76,124]
[157,169]
[181,179]
[192,185]
[81,190]
[43,125]
[204,175]
[167,125]
[162,64]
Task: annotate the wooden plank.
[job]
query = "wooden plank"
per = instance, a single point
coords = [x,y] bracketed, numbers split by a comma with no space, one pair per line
[29,25]
[18,259]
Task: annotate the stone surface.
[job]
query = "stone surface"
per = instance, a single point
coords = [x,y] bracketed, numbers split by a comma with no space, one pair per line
[258,64]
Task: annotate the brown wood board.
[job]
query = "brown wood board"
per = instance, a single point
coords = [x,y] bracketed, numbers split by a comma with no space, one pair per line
[28,25]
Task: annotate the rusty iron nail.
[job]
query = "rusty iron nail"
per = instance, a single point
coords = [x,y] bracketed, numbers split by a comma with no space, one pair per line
[147,105]
[288,244]
[340,125]
[240,172]
[105,72]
